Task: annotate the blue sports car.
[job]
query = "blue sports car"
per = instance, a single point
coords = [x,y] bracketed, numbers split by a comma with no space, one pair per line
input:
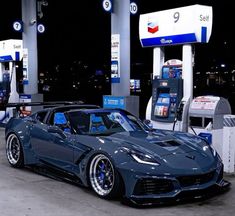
[115,154]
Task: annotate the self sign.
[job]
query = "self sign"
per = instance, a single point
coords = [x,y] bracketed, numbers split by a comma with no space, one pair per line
[204,18]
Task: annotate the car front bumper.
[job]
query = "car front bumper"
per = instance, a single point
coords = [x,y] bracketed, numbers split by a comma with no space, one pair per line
[159,189]
[182,196]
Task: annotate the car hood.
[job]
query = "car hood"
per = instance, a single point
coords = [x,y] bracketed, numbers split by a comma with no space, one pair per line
[161,143]
[176,150]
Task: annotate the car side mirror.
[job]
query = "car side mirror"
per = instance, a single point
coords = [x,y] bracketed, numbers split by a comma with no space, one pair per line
[148,123]
[56,130]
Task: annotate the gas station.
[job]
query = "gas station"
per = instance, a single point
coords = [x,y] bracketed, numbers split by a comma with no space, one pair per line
[185,32]
[172,105]
[11,56]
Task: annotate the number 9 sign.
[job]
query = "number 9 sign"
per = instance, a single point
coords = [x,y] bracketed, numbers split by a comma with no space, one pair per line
[107,5]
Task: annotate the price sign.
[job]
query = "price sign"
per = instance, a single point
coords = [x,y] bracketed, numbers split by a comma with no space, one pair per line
[107,5]
[18,26]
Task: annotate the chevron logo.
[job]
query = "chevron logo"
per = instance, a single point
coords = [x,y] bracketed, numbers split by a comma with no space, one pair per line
[153,27]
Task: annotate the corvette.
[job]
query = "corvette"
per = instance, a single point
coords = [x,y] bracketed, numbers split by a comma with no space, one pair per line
[115,154]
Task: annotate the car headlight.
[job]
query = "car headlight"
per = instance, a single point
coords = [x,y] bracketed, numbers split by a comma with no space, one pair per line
[208,146]
[214,152]
[141,157]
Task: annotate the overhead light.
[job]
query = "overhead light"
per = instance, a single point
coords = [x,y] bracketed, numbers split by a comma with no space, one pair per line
[222,65]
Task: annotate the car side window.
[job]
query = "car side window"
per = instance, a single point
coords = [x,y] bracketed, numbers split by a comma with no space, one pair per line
[40,116]
[80,121]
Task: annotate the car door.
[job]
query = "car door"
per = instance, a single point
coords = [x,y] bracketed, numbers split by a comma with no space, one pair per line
[52,145]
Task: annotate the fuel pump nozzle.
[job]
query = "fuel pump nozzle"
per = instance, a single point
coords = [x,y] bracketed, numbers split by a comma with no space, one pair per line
[181,114]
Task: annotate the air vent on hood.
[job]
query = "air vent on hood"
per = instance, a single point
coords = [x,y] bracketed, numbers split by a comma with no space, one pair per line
[168,143]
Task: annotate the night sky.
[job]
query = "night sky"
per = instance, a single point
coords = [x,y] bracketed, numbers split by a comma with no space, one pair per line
[80,31]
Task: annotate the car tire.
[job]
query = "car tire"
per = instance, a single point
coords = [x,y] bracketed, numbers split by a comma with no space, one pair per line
[14,151]
[104,178]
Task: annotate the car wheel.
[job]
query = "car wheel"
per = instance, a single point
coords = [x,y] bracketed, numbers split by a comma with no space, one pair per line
[103,177]
[14,151]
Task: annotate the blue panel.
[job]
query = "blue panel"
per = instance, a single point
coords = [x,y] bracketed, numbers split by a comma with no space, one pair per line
[17,56]
[115,80]
[203,34]
[25,96]
[25,82]
[207,136]
[113,102]
[169,40]
[6,58]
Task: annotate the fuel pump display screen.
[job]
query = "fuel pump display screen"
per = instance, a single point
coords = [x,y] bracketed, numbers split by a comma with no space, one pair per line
[171,72]
[162,105]
[167,93]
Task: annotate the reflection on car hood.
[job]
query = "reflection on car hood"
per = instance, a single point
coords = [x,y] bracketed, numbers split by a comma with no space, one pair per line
[160,143]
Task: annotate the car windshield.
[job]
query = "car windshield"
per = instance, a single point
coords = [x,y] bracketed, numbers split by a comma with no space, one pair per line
[104,122]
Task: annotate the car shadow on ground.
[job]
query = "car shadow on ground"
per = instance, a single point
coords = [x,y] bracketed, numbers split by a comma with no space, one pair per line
[193,198]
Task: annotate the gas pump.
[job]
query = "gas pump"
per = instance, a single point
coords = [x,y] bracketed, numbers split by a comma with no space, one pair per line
[5,81]
[11,54]
[167,92]
[166,106]
[172,93]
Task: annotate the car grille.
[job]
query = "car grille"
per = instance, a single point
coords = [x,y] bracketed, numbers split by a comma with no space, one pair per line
[153,186]
[186,181]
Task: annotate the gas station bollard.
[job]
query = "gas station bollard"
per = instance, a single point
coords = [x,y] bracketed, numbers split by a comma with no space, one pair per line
[228,149]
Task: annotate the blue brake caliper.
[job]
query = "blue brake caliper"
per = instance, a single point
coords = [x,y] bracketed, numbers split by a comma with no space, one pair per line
[101,171]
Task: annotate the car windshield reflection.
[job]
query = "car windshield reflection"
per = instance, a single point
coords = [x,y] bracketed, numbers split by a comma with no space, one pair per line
[105,123]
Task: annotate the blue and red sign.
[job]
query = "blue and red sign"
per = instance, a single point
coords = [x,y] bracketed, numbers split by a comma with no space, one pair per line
[190,24]
[153,27]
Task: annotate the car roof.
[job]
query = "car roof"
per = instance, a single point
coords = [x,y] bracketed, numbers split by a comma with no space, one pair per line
[98,110]
[65,108]
[62,108]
